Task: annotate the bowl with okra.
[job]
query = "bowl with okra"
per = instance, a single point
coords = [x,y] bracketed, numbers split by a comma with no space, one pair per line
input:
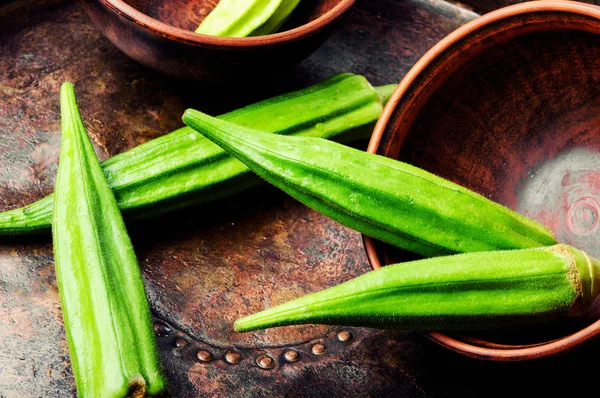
[217,41]
[507,106]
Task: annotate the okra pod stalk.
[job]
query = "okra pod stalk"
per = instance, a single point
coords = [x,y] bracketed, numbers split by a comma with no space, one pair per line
[383,198]
[106,315]
[470,291]
[183,168]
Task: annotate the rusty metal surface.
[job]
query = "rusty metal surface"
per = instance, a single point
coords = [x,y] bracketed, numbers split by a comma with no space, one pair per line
[206,266]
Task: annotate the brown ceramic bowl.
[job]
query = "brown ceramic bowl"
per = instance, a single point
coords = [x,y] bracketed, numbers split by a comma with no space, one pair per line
[159,34]
[509,106]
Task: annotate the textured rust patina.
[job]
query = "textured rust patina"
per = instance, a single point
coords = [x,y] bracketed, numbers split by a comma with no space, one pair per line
[206,266]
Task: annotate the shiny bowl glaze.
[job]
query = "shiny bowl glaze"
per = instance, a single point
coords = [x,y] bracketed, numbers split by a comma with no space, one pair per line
[508,105]
[160,34]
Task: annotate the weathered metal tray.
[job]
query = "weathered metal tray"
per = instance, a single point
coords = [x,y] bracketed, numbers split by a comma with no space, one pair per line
[206,266]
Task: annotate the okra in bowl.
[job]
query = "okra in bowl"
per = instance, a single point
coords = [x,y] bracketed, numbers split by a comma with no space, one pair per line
[508,106]
[161,34]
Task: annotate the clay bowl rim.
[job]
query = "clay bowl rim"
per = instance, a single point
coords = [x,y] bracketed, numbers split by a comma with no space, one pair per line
[196,39]
[473,347]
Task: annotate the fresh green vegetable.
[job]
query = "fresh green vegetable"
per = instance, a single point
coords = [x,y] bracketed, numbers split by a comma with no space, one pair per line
[106,315]
[184,168]
[278,18]
[380,197]
[238,18]
[459,292]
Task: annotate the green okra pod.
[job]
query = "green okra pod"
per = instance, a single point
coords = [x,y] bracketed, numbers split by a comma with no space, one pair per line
[279,17]
[238,18]
[184,168]
[468,291]
[380,197]
[107,319]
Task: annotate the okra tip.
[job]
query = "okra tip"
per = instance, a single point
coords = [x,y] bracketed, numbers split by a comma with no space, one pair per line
[295,312]
[202,123]
[245,325]
[272,317]
[67,90]
[68,105]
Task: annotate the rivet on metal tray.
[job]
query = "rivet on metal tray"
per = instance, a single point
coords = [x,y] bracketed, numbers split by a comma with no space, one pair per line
[265,361]
[204,356]
[180,342]
[318,349]
[344,336]
[233,357]
[161,329]
[291,355]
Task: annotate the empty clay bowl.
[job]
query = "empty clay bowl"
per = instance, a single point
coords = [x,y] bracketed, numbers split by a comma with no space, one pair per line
[160,34]
[509,106]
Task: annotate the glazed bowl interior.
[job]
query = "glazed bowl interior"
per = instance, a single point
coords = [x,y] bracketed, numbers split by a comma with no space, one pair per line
[509,107]
[161,35]
[188,14]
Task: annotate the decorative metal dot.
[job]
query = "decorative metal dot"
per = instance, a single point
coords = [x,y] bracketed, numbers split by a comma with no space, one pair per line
[291,355]
[161,329]
[265,361]
[204,356]
[233,357]
[180,342]
[318,349]
[344,336]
